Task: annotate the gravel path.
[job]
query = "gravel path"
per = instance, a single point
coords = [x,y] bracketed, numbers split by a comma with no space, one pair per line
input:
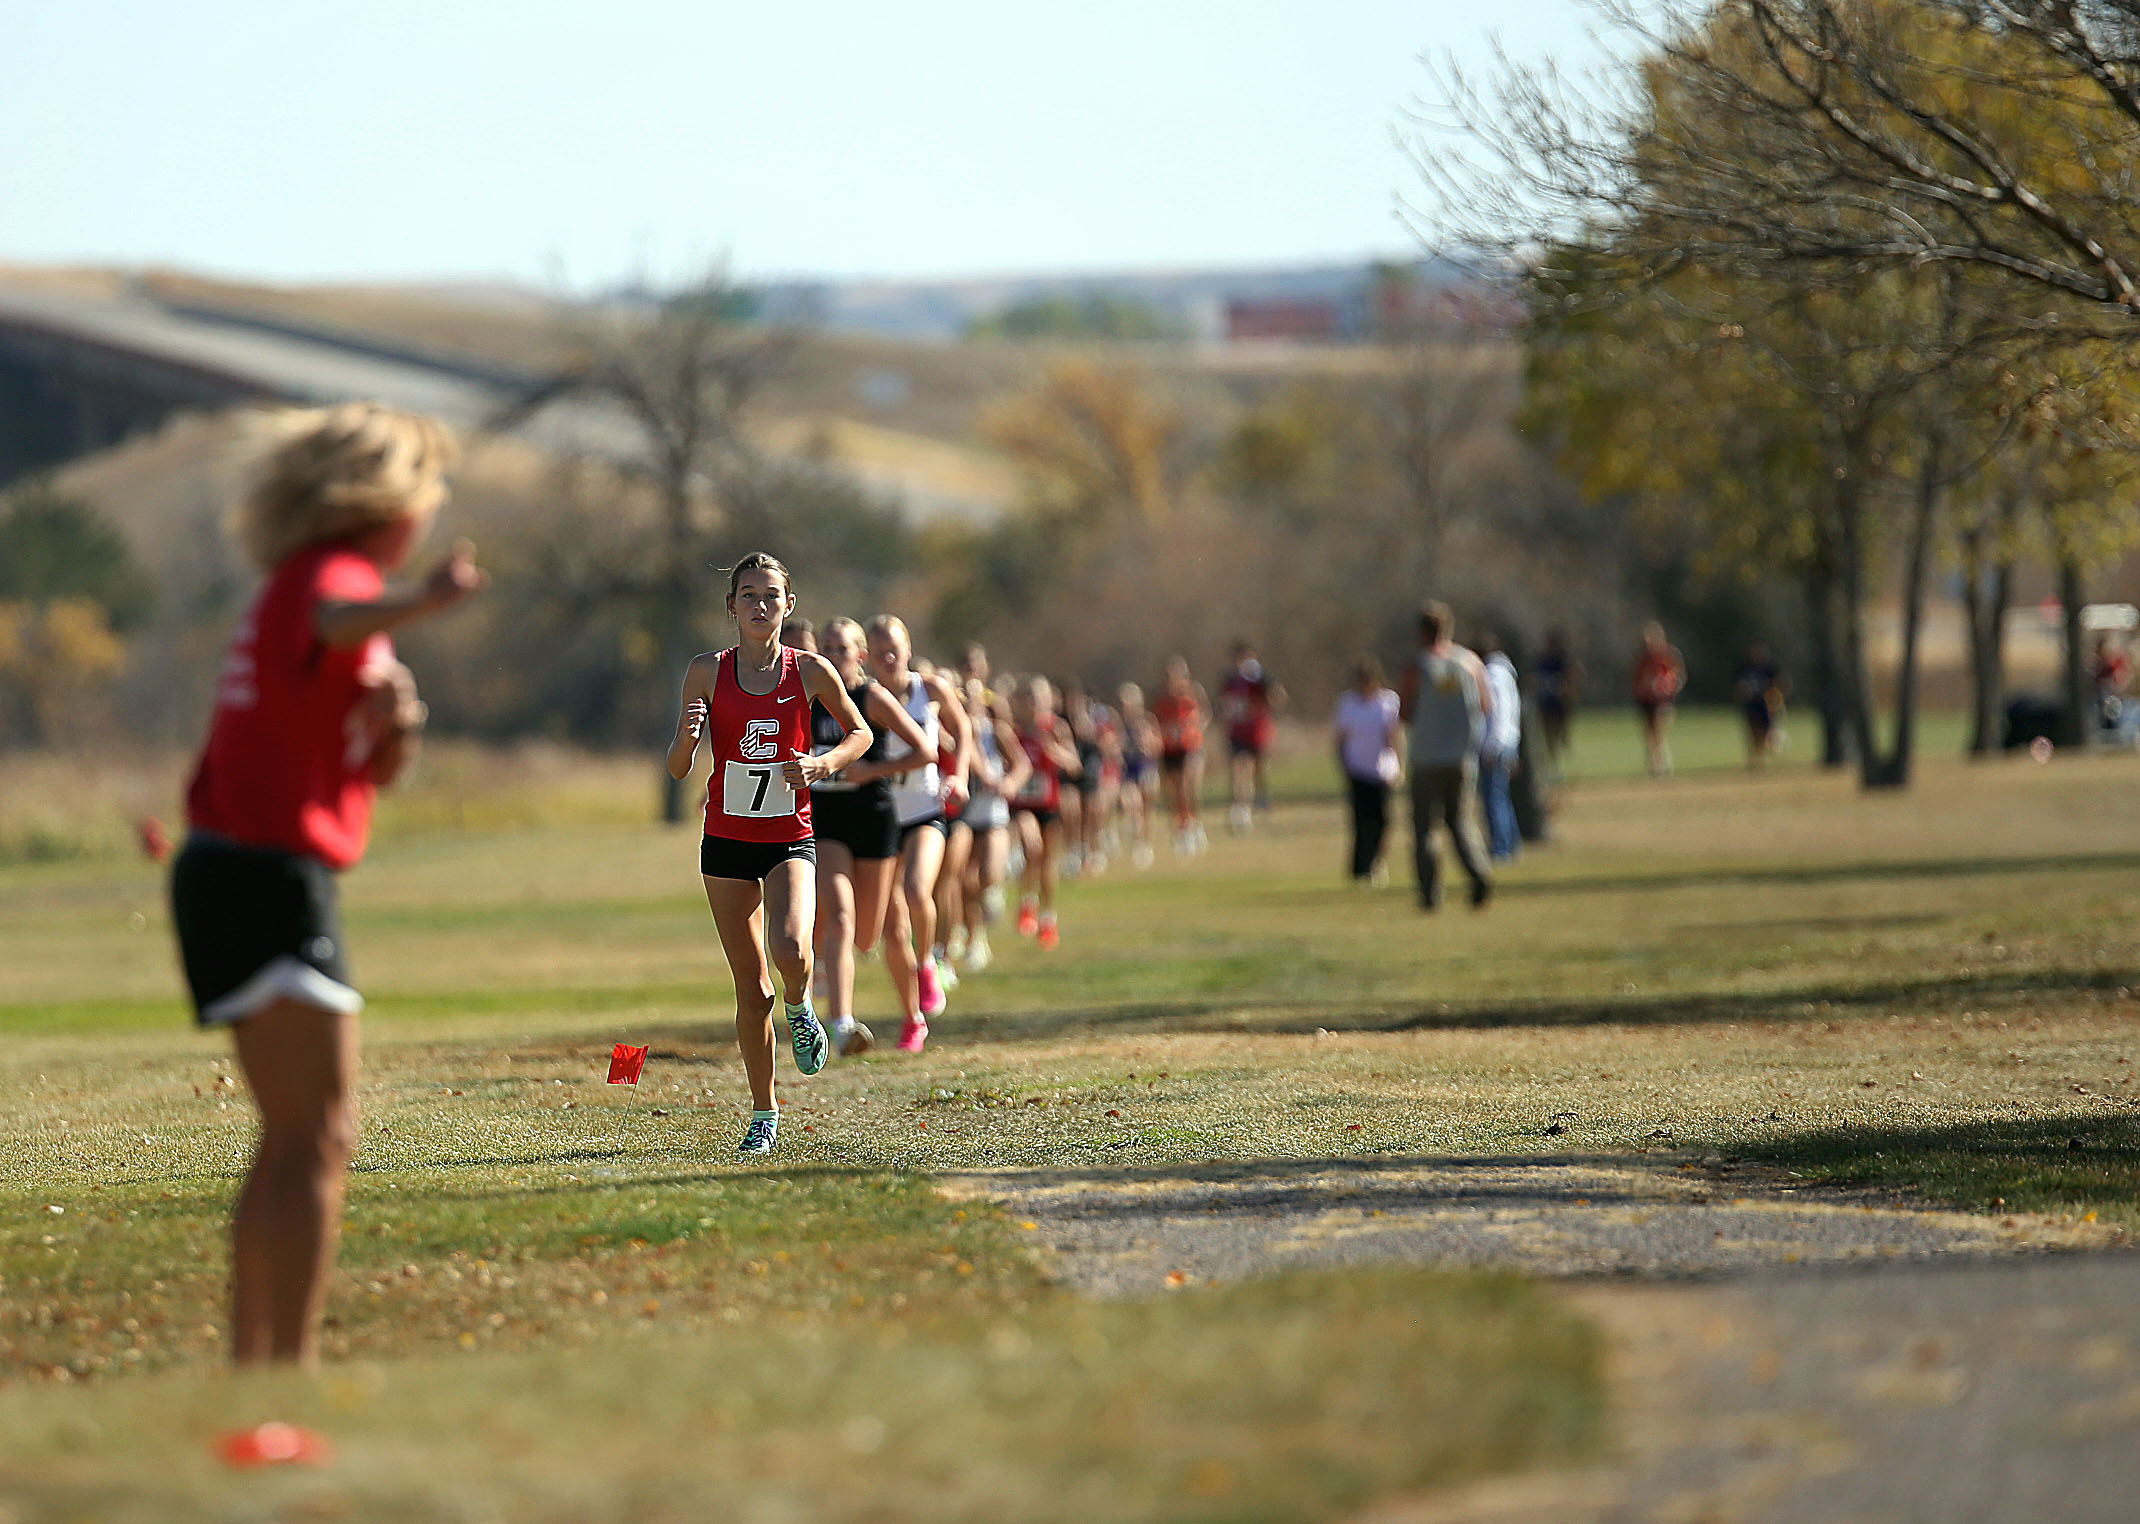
[1779,1355]
[1123,1234]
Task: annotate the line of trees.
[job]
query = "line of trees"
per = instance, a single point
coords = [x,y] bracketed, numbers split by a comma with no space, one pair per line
[1848,286]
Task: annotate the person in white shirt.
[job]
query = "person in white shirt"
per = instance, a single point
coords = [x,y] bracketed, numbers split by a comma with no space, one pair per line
[1366,730]
[1499,753]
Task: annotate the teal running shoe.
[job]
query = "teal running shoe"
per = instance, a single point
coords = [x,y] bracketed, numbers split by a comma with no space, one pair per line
[759,1137]
[811,1046]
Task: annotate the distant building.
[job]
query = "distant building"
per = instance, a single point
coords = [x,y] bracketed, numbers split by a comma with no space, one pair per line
[1298,318]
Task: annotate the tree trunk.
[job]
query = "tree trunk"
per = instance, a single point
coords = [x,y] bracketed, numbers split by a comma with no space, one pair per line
[1893,770]
[678,599]
[1850,590]
[1827,686]
[2079,696]
[1985,593]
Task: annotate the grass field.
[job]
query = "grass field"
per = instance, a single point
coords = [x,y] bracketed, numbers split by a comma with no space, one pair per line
[564,1300]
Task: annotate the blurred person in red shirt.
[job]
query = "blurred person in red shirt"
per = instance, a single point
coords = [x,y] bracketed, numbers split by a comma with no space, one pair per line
[1658,676]
[312,714]
[1247,701]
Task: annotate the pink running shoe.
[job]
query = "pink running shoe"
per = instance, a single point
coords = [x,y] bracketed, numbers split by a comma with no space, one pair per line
[931,988]
[913,1036]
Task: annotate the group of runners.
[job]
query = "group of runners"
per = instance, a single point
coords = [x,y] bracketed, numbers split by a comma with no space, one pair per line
[857,798]
[969,781]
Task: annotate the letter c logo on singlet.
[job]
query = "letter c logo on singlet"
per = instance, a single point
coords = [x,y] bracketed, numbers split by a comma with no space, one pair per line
[758,740]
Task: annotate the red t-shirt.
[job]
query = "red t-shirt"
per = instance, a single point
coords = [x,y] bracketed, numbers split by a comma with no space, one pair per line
[750,735]
[1656,678]
[281,767]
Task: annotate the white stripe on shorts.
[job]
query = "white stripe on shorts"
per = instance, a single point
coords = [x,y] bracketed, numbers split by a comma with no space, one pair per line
[283,978]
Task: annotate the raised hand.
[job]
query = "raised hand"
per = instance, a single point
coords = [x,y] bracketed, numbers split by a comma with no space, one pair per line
[692,721]
[454,578]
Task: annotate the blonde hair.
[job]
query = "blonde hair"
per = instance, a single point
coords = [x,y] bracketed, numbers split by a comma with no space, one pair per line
[845,627]
[338,472]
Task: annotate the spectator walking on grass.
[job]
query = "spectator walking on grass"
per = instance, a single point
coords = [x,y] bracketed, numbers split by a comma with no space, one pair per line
[1759,690]
[312,715]
[1444,701]
[1557,681]
[1501,754]
[1658,676]
[1367,729]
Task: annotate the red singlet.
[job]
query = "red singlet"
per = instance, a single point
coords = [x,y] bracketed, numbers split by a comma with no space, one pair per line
[1043,787]
[1175,715]
[750,735]
[280,767]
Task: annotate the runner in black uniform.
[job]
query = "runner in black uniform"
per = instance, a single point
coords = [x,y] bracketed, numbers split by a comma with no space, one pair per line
[857,831]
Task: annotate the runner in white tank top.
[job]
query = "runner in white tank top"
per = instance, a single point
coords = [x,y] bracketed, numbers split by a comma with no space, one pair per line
[918,794]
[910,918]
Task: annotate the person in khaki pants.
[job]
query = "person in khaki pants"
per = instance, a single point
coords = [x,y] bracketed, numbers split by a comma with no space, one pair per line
[1445,703]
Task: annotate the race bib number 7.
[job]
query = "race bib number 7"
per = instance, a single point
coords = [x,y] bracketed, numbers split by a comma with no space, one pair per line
[755,790]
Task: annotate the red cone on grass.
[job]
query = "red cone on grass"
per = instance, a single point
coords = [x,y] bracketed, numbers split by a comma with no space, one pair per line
[273,1444]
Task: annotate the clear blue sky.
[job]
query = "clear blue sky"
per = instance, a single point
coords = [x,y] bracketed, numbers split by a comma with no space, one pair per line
[298,141]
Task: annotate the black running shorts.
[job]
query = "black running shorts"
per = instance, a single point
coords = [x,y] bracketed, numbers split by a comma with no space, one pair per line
[720,857]
[935,823]
[256,925]
[862,821]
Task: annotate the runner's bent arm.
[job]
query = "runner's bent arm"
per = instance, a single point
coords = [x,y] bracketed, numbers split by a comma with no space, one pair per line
[395,716]
[889,713]
[821,681]
[1017,766]
[345,626]
[951,717]
[691,721]
[1063,752]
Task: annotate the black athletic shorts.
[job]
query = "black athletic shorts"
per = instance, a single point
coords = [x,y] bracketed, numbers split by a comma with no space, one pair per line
[863,821]
[1044,818]
[256,925]
[719,857]
[1171,761]
[935,823]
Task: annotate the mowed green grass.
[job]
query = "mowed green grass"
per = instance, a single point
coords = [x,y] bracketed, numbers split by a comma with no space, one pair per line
[562,1299]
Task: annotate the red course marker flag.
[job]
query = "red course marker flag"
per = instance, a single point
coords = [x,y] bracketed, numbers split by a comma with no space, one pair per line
[625,1062]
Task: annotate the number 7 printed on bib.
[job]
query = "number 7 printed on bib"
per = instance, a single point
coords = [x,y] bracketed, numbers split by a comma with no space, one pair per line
[755,787]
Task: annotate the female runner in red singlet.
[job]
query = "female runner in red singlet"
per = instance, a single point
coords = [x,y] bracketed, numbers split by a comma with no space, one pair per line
[752,704]
[1179,713]
[1037,807]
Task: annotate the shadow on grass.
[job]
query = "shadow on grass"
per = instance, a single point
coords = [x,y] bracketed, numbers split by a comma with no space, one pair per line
[1717,874]
[1253,1012]
[1941,992]
[2058,1164]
